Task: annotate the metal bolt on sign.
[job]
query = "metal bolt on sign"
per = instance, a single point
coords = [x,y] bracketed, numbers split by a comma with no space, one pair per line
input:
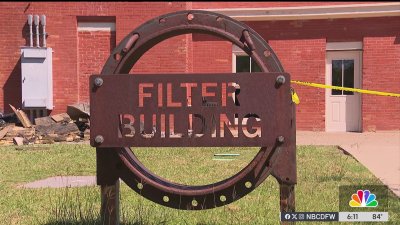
[98,82]
[98,139]
[135,111]
[281,139]
[280,80]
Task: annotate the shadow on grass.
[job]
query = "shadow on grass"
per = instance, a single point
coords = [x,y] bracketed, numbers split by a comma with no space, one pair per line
[86,222]
[98,222]
[81,206]
[77,219]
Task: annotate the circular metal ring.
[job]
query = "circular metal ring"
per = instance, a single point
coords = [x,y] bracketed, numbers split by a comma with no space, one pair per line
[122,60]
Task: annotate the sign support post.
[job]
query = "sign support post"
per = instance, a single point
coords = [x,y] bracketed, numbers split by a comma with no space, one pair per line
[110,204]
[287,199]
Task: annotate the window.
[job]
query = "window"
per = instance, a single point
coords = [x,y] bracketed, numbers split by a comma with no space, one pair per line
[245,63]
[343,76]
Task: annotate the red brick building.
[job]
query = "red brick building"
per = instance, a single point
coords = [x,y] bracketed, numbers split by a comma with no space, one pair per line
[352,44]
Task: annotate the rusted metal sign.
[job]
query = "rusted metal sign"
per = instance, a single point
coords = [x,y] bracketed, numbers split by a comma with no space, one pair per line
[190,110]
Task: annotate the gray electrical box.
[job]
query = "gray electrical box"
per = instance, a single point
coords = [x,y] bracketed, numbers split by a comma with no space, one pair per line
[37,77]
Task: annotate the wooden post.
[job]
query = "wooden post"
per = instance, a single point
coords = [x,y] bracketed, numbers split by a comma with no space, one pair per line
[287,200]
[107,178]
[110,204]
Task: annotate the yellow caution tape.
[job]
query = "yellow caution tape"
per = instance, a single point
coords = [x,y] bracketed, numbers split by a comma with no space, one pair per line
[295,97]
[341,88]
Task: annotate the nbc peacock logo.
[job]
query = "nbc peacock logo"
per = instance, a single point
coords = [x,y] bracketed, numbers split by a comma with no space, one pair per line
[363,199]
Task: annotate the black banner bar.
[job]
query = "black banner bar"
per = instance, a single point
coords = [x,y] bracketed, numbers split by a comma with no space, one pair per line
[309,216]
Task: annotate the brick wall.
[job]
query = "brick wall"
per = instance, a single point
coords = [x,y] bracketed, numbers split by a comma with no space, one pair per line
[301,48]
[305,60]
[63,38]
[211,54]
[94,48]
[168,56]
[300,45]
[381,72]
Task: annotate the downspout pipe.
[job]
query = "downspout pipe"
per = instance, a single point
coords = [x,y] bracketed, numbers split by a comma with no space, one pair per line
[36,20]
[43,21]
[30,18]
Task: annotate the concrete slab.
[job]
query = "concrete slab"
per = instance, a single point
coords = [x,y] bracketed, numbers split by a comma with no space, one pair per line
[62,181]
[379,152]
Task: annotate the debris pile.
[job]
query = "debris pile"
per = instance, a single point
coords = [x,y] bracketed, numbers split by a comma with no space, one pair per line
[73,126]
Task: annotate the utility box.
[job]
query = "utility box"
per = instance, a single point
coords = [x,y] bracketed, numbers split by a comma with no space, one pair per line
[37,78]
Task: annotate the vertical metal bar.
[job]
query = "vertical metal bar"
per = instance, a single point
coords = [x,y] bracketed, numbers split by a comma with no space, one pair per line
[30,36]
[43,20]
[287,200]
[30,20]
[110,204]
[44,36]
[36,21]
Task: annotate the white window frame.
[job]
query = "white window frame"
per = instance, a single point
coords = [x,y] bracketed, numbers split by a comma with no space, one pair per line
[344,46]
[236,51]
[96,26]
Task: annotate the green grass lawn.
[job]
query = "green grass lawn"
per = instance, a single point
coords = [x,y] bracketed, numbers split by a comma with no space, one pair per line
[320,172]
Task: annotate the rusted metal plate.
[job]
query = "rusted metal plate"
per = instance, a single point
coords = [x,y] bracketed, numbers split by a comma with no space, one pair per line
[196,110]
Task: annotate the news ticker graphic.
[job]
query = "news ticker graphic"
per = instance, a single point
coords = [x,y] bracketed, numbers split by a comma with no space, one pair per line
[364,216]
[335,216]
[309,216]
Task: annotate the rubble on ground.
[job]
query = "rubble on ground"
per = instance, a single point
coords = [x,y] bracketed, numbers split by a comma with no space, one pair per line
[73,126]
